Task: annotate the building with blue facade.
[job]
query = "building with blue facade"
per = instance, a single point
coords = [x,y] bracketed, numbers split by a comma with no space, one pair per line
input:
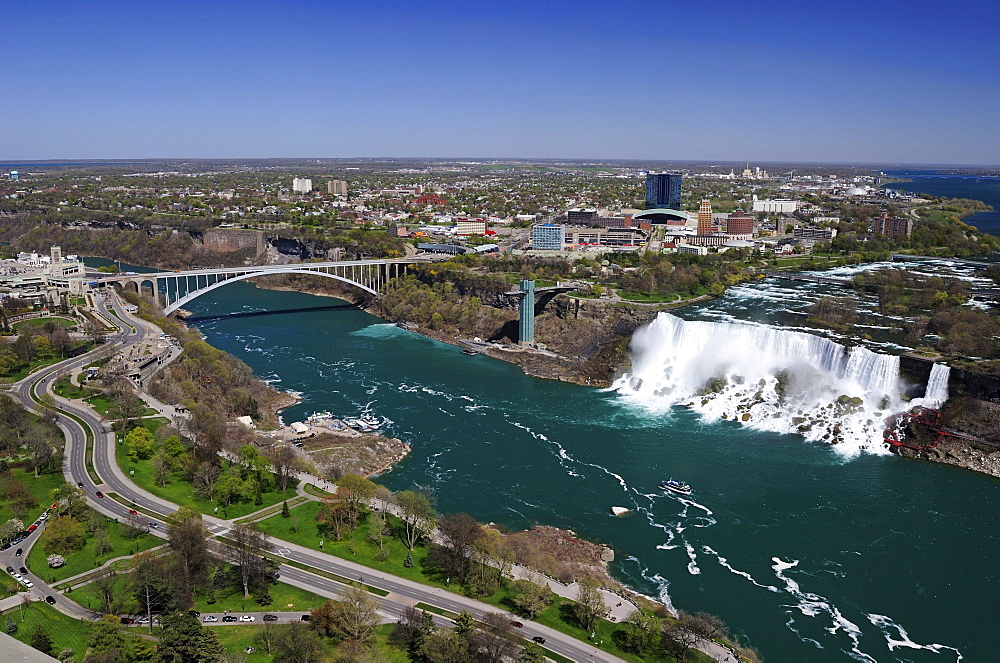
[548,237]
[663,190]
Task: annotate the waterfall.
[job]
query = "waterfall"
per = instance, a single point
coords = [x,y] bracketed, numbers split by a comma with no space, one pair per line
[765,378]
[936,392]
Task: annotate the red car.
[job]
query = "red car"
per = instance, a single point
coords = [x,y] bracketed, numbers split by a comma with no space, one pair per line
[133,511]
[517,624]
[32,528]
[100,494]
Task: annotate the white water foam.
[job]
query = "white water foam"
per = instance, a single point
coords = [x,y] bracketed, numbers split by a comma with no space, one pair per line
[765,378]
[903,640]
[724,563]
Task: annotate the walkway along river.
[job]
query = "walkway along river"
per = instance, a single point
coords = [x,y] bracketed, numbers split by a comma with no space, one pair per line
[810,553]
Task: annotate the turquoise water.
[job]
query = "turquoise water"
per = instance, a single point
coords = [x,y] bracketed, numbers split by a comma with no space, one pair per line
[808,555]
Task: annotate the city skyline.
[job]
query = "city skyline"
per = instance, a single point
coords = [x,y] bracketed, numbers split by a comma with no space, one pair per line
[888,83]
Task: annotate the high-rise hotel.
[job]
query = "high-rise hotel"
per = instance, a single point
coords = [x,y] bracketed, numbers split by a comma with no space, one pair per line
[663,190]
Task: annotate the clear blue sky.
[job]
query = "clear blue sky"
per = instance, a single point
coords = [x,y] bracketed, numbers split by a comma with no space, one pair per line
[882,81]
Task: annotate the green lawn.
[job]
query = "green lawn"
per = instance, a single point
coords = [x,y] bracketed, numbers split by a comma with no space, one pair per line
[36,364]
[100,403]
[86,558]
[41,488]
[238,637]
[41,322]
[284,598]
[180,491]
[63,387]
[64,631]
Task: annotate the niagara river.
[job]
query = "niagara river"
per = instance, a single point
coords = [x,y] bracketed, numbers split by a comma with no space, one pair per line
[809,550]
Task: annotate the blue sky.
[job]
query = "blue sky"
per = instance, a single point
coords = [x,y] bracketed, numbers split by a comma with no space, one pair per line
[885,81]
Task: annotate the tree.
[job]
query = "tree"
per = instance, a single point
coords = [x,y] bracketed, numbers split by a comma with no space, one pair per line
[125,406]
[139,443]
[531,598]
[204,479]
[640,633]
[460,532]
[10,529]
[161,470]
[135,525]
[185,639]
[69,496]
[417,514]
[11,626]
[678,639]
[445,647]
[40,640]
[297,643]
[67,656]
[109,591]
[265,636]
[532,653]
[286,462]
[356,490]
[465,623]
[150,585]
[495,639]
[106,636]
[337,516]
[102,542]
[285,513]
[188,538]
[63,535]
[42,454]
[247,543]
[356,616]
[589,603]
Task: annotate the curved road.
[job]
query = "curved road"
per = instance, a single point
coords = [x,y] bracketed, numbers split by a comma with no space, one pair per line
[402,592]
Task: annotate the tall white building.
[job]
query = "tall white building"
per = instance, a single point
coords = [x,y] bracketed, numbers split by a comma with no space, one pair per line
[302,185]
[778,206]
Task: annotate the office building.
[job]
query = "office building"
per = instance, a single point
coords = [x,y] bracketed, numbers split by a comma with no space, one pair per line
[579,216]
[465,226]
[705,219]
[776,206]
[814,233]
[739,224]
[301,185]
[548,237]
[663,190]
[336,187]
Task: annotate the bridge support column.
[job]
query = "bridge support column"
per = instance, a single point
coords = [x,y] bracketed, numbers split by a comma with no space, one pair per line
[526,322]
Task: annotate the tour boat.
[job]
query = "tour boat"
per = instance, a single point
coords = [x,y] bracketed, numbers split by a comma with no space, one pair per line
[675,486]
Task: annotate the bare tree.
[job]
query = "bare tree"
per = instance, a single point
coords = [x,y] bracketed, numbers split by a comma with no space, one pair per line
[245,548]
[204,479]
[135,525]
[286,462]
[356,616]
[589,603]
[495,639]
[417,514]
[109,591]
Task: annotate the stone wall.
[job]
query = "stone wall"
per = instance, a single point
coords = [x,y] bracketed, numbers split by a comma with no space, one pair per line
[226,241]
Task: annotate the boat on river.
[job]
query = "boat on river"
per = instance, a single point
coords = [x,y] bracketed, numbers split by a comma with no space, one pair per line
[675,486]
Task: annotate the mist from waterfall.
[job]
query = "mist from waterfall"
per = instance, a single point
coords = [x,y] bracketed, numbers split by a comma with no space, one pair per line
[765,378]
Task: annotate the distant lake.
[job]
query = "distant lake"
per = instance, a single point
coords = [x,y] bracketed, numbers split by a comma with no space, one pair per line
[939,183]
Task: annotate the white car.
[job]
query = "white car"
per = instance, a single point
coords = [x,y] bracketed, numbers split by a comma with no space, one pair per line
[28,583]
[246,618]
[209,618]
[16,575]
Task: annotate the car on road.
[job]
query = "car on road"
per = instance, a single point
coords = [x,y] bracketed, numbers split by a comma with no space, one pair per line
[539,639]
[143,620]
[27,583]
[32,528]
[23,570]
[517,624]
[127,620]
[10,569]
[133,512]
[270,618]
[15,575]
[247,618]
[50,600]
[152,524]
[209,618]
[100,494]
[229,618]
[18,553]
[304,618]
[44,516]
[5,546]
[79,484]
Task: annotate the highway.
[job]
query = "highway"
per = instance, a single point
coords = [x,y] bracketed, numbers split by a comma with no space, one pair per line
[401,592]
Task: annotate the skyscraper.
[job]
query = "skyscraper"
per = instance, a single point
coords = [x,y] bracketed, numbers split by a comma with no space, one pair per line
[663,190]
[302,185]
[705,219]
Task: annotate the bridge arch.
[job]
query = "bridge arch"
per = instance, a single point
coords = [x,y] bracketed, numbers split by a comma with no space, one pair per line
[195,294]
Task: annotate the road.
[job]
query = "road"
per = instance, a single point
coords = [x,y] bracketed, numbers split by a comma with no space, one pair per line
[401,592]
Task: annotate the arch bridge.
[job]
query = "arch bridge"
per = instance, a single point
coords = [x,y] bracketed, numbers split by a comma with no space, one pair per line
[175,289]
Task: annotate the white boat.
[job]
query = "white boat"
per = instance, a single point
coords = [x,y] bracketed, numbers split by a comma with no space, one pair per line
[676,486]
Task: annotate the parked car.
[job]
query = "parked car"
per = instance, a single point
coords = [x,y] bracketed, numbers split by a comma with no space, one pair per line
[246,618]
[229,618]
[44,516]
[28,583]
[10,569]
[270,618]
[539,639]
[194,613]
[50,600]
[16,575]
[5,546]
[127,620]
[304,618]
[23,570]
[209,618]
[32,528]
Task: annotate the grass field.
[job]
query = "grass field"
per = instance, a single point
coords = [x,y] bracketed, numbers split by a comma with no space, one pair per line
[65,632]
[237,638]
[41,488]
[86,558]
[63,387]
[38,323]
[180,491]
[284,598]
